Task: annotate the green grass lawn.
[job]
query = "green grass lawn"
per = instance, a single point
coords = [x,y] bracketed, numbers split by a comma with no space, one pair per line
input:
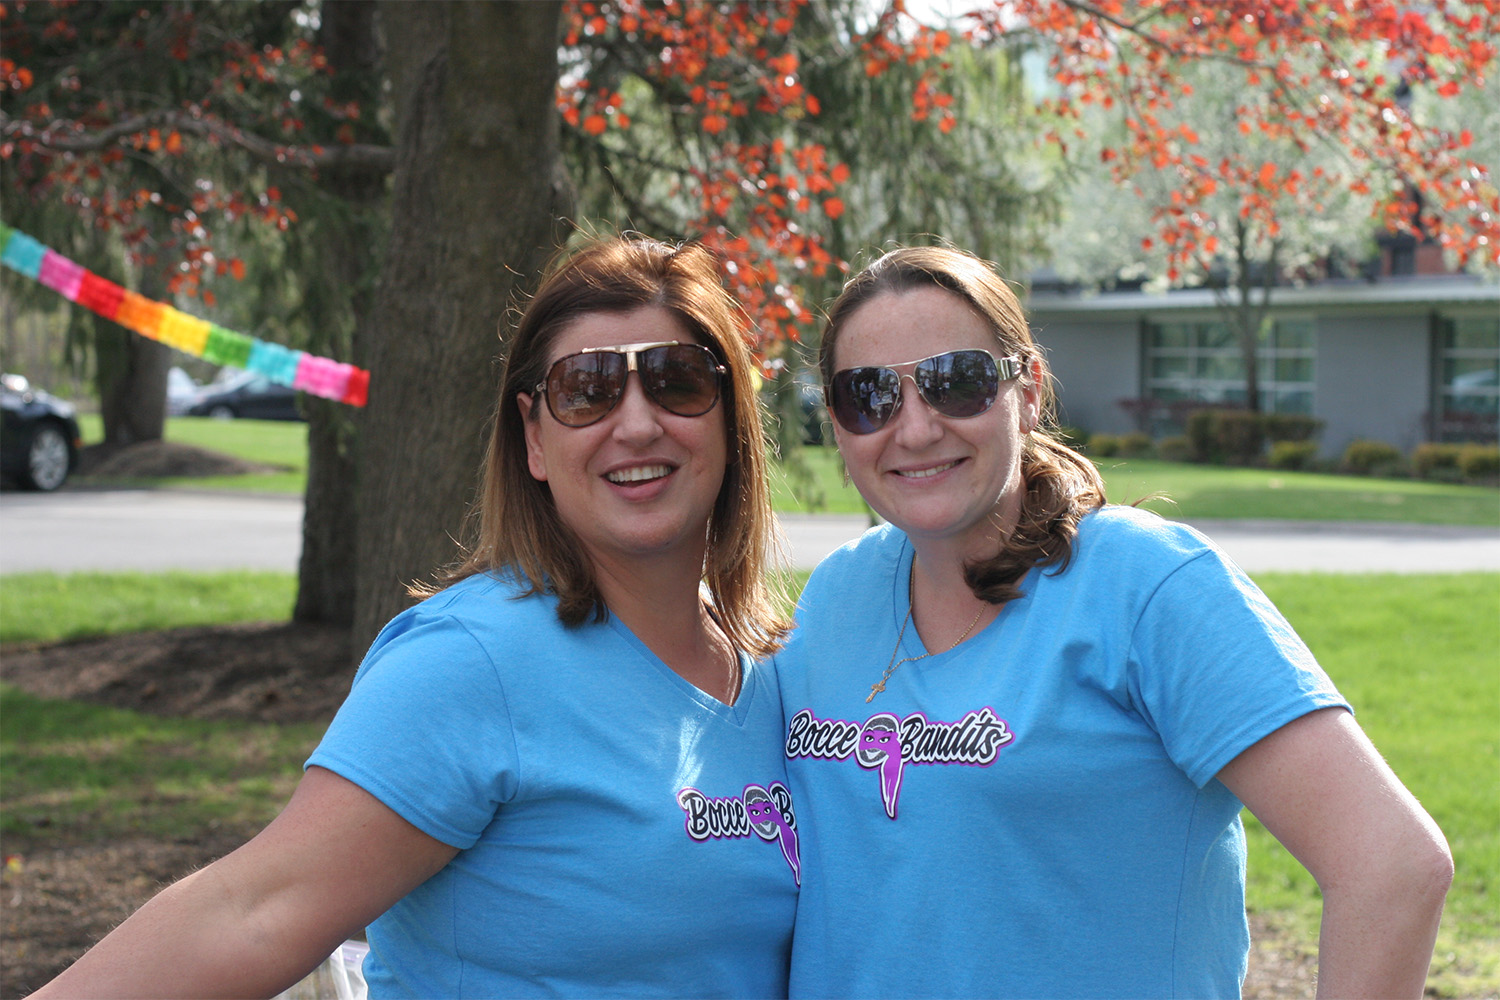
[1419,659]
[1416,655]
[49,607]
[812,479]
[1200,492]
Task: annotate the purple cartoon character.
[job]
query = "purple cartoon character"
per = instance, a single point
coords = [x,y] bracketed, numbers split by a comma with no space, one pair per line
[880,747]
[770,815]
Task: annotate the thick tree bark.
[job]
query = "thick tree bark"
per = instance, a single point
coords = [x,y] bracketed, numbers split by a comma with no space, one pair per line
[475,209]
[327,569]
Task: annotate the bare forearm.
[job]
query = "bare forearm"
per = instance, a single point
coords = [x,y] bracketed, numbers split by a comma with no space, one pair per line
[1377,940]
[194,939]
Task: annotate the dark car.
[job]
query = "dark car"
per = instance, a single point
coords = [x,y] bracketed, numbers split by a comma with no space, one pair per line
[246,395]
[39,437]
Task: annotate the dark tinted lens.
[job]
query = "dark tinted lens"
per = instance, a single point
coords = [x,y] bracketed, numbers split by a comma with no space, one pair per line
[582,388]
[864,398]
[959,383]
[683,378]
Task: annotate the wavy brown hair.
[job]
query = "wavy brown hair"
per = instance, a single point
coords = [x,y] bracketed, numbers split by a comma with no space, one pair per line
[1061,485]
[518,527]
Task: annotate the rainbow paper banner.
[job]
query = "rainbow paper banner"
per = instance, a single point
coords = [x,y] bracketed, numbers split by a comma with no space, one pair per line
[322,377]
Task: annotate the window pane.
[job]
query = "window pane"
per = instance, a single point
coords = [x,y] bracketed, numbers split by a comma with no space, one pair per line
[1171,366]
[1294,333]
[1294,369]
[1221,367]
[1471,373]
[1170,335]
[1216,335]
[1473,333]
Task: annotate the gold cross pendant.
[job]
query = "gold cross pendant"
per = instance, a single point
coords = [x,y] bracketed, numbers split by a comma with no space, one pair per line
[874,690]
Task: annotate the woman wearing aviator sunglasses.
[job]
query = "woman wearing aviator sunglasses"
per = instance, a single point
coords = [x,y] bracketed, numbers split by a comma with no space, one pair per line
[561,773]
[1021,723]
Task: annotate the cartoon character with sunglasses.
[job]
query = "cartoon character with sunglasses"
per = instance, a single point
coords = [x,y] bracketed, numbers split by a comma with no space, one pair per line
[1151,688]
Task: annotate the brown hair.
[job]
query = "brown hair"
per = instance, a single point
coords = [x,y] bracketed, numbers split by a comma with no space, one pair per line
[1061,485]
[518,524]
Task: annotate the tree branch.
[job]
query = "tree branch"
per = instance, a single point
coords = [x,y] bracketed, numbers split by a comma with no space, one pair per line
[67,138]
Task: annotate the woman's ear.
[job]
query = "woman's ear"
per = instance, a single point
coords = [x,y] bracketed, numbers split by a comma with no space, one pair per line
[536,459]
[1031,396]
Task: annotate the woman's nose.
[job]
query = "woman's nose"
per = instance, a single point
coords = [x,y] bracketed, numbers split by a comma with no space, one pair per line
[917,423]
[637,417]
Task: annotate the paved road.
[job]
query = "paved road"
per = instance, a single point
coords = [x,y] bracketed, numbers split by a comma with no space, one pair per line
[155,530]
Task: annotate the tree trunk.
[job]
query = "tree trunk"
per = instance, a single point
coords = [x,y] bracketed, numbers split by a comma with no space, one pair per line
[132,377]
[344,241]
[475,204]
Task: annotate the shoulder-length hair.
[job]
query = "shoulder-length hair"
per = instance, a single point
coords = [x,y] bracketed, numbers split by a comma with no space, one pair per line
[1061,485]
[518,525]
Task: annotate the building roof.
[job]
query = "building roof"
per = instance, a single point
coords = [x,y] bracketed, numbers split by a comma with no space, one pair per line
[1392,293]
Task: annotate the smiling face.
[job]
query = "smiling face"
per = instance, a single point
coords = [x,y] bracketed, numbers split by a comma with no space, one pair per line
[935,477]
[641,482]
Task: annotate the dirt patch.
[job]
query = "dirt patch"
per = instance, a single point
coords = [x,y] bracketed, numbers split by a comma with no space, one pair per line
[55,903]
[161,459]
[266,673]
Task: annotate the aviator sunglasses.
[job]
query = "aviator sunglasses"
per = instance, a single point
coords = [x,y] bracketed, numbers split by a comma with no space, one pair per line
[955,384]
[583,388]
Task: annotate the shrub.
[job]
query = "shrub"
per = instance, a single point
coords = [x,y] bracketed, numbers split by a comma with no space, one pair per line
[1135,445]
[1235,437]
[1436,461]
[1479,461]
[1202,437]
[1103,445]
[1073,437]
[1293,454]
[1370,458]
[1242,436]
[1291,427]
[1174,449]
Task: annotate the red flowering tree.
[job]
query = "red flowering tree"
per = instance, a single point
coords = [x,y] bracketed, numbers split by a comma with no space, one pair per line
[735,121]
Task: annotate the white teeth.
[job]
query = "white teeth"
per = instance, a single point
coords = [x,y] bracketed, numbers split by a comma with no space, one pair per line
[638,474]
[924,473]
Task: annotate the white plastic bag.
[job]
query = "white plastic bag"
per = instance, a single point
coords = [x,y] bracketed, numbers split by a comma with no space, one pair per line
[340,977]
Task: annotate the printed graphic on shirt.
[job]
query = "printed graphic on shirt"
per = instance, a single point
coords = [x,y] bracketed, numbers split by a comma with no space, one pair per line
[887,744]
[765,812]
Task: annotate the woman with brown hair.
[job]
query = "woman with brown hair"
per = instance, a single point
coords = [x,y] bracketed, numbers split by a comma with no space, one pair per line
[1104,690]
[560,774]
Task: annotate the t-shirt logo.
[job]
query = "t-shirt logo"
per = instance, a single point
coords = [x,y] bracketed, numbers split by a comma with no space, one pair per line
[765,812]
[887,744]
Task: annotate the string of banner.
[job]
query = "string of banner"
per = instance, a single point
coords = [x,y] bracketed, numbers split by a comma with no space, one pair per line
[158,321]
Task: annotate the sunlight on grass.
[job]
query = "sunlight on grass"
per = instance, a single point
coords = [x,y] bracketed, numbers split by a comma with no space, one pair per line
[47,607]
[1417,658]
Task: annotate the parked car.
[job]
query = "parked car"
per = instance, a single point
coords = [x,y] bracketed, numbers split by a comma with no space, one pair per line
[182,391]
[39,438]
[248,395]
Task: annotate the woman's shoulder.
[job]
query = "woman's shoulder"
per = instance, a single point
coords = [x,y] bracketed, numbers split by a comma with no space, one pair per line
[880,545]
[1117,539]
[478,604]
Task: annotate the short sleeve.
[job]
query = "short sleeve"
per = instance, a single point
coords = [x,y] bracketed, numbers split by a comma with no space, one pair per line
[1216,667]
[426,730]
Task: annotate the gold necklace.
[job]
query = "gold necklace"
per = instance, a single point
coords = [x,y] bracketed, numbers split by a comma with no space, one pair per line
[895,665]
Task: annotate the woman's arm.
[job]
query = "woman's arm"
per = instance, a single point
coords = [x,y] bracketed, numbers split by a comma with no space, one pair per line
[1322,789]
[256,921]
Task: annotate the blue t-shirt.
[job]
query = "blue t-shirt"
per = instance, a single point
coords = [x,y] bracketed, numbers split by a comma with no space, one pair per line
[1034,813]
[621,833]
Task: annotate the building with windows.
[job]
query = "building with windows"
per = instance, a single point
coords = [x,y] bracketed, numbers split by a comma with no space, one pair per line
[1401,359]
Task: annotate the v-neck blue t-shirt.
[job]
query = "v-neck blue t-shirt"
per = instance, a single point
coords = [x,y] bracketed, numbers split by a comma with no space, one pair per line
[1035,812]
[620,832]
